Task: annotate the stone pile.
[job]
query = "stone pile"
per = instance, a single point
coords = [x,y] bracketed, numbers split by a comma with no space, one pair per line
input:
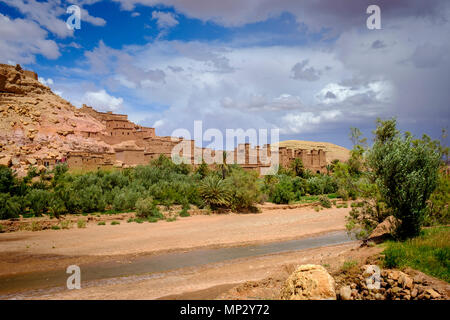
[393,285]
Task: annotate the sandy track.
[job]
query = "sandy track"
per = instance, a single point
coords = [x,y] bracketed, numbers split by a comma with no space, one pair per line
[26,251]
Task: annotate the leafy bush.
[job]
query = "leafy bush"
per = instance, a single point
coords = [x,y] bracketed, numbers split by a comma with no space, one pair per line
[438,210]
[38,201]
[325,202]
[145,207]
[244,191]
[283,191]
[215,192]
[9,206]
[184,213]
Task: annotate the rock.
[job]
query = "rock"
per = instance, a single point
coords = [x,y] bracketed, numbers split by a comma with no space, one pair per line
[396,290]
[5,161]
[345,293]
[405,281]
[379,296]
[383,230]
[414,293]
[432,293]
[309,282]
[31,161]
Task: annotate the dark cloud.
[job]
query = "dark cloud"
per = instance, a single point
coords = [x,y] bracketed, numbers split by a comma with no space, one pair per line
[378,44]
[302,72]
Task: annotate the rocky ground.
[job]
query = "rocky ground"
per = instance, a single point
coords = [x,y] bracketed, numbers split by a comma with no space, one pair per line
[35,123]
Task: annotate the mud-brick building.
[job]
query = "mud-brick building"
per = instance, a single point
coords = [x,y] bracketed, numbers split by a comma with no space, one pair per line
[136,145]
[90,160]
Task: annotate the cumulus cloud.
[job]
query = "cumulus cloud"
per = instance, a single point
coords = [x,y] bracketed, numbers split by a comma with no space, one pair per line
[51,15]
[164,20]
[101,100]
[305,121]
[21,40]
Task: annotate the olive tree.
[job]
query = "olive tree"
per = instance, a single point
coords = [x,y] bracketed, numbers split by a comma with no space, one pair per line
[406,172]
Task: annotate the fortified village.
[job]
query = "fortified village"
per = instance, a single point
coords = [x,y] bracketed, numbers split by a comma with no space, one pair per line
[40,128]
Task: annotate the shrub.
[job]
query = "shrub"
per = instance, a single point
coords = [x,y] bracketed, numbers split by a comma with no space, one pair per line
[184,213]
[244,189]
[144,207]
[56,227]
[38,201]
[81,223]
[438,209]
[283,191]
[7,180]
[65,224]
[35,226]
[215,192]
[325,202]
[101,223]
[9,206]
[114,223]
[153,219]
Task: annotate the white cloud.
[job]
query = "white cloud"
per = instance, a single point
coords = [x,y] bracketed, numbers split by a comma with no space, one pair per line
[21,40]
[46,82]
[101,100]
[164,19]
[51,15]
[305,121]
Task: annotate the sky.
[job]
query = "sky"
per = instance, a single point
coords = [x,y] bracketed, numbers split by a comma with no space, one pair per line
[312,69]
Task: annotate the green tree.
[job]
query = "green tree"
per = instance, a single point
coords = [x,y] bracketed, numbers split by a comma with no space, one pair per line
[406,172]
[298,168]
[203,169]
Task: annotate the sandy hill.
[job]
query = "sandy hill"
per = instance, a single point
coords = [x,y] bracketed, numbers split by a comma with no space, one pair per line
[35,123]
[333,151]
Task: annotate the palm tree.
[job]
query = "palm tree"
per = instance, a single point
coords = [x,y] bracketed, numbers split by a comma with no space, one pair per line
[224,165]
[214,192]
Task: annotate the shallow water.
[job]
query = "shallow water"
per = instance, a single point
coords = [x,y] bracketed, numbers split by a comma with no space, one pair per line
[11,285]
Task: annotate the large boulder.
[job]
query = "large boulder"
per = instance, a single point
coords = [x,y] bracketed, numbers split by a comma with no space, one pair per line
[384,230]
[309,282]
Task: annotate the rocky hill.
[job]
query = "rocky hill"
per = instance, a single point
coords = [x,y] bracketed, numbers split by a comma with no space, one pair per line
[333,151]
[35,123]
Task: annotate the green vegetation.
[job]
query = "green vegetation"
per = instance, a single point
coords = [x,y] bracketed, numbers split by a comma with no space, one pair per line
[101,223]
[184,213]
[325,202]
[81,223]
[56,227]
[114,223]
[349,265]
[429,253]
[65,224]
[396,176]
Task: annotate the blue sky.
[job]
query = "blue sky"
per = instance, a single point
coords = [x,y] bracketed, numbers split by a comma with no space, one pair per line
[310,68]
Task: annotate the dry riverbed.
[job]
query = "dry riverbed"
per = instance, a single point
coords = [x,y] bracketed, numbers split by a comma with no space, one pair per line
[26,251]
